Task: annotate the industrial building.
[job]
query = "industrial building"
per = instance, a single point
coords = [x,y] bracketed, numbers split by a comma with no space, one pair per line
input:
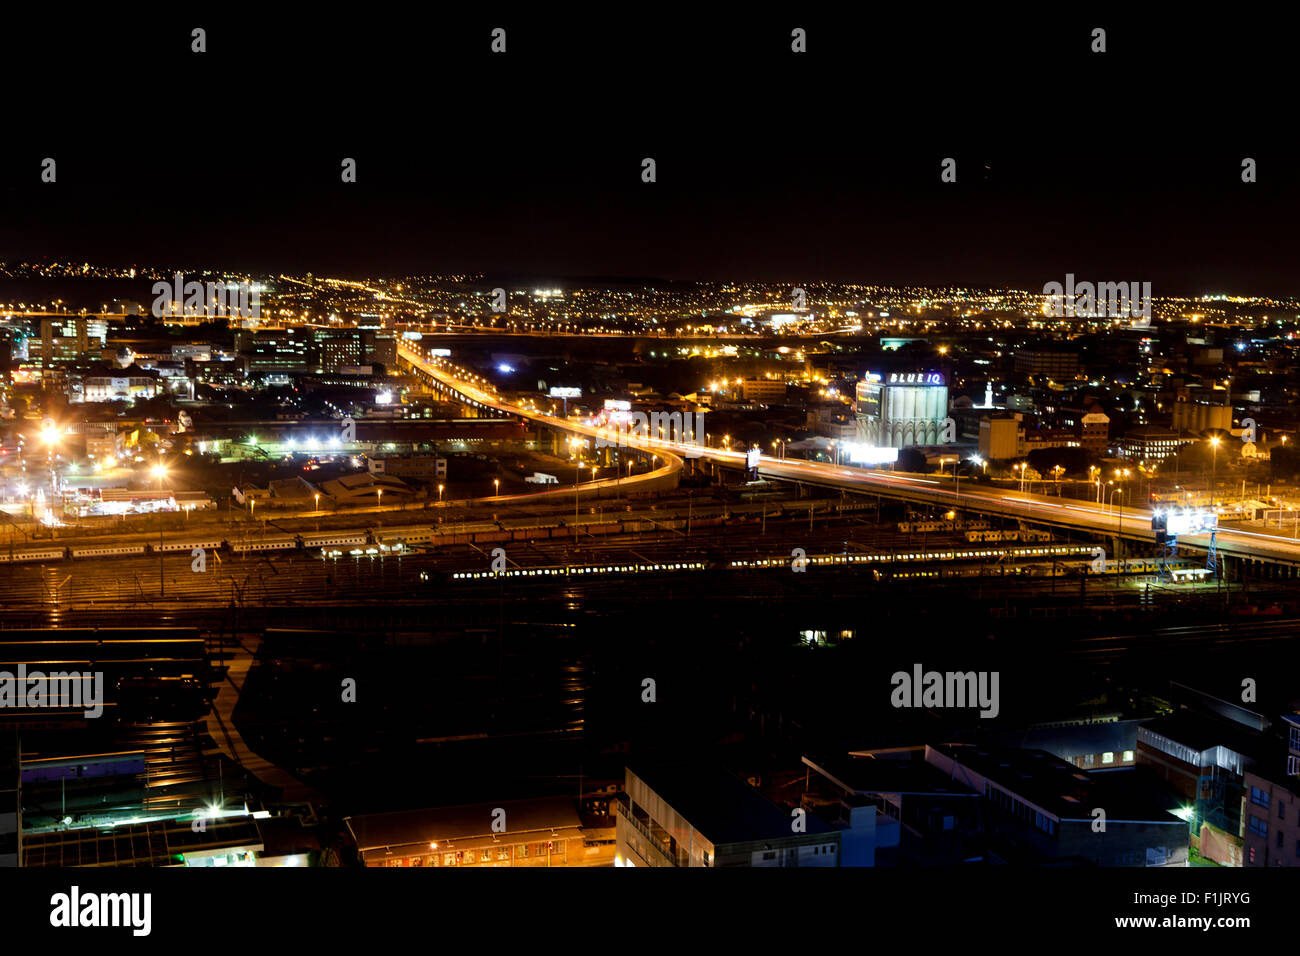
[902,409]
[686,814]
[541,832]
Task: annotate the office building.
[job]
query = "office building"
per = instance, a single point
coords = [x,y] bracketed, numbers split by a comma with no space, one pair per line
[1148,443]
[1059,366]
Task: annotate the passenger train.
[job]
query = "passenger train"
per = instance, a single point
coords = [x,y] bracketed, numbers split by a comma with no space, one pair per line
[334,543]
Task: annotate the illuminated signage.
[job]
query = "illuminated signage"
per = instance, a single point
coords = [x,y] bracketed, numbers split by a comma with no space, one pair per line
[751,457]
[871,455]
[557,392]
[1188,522]
[615,405]
[915,378]
[868,396]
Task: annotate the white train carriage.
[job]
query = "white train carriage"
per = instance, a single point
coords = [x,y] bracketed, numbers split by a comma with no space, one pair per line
[202,544]
[283,543]
[120,550]
[45,554]
[334,540]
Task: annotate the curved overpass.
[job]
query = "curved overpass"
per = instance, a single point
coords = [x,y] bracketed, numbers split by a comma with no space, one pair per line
[1114,521]
[663,476]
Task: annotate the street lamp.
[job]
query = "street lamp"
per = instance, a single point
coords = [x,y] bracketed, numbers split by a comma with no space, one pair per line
[1214,468]
[496,486]
[317,497]
[577,472]
[440,494]
[50,435]
[160,471]
[1119,536]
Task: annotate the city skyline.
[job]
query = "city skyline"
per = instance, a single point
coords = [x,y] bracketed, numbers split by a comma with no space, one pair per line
[672,438]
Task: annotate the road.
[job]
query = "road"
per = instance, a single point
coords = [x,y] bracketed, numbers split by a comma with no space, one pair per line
[1116,520]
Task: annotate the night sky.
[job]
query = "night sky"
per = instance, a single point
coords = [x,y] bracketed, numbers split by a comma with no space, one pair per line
[1123,166]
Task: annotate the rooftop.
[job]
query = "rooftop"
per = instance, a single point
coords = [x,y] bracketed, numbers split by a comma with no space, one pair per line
[873,773]
[1049,783]
[721,806]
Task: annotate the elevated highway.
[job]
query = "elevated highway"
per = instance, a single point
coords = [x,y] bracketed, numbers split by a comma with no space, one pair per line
[1113,521]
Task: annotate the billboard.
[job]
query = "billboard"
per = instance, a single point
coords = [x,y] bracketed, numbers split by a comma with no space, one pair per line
[557,392]
[871,455]
[1189,522]
[868,396]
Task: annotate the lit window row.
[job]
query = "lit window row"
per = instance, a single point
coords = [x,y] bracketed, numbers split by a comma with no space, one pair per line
[567,572]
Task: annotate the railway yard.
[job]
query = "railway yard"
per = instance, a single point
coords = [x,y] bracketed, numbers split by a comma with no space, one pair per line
[452,553]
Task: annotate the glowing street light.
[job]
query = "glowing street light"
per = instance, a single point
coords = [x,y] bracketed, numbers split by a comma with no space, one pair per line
[577,473]
[1119,535]
[1214,468]
[160,472]
[50,436]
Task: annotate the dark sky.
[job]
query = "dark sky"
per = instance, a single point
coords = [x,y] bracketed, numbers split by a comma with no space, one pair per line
[1122,166]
